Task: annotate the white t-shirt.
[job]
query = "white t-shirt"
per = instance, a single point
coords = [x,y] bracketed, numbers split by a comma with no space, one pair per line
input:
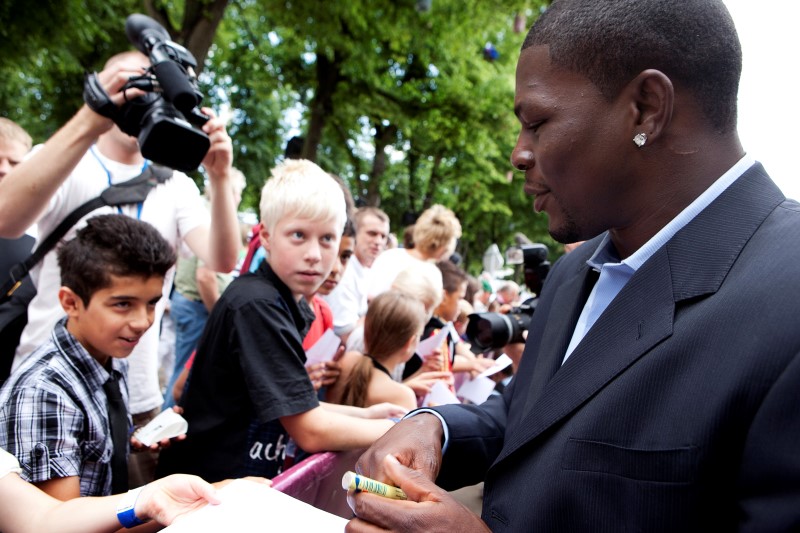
[175,208]
[386,268]
[8,464]
[348,300]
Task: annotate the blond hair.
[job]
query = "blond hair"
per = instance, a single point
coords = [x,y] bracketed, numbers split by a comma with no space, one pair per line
[435,229]
[393,318]
[423,281]
[12,131]
[302,189]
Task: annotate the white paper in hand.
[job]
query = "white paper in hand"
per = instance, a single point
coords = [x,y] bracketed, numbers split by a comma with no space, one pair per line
[249,506]
[324,349]
[166,425]
[427,346]
[440,394]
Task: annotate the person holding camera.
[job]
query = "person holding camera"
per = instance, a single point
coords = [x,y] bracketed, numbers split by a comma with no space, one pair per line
[83,158]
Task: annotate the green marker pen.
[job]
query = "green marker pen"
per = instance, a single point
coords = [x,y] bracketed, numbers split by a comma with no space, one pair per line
[357,482]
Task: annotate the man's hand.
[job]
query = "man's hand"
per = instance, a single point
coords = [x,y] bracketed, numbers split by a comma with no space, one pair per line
[219,158]
[112,79]
[416,442]
[428,507]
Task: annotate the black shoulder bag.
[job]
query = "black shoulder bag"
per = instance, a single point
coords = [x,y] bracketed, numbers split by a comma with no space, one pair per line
[18,290]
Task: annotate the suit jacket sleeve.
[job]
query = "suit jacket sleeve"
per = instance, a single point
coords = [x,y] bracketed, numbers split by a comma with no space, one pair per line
[475,438]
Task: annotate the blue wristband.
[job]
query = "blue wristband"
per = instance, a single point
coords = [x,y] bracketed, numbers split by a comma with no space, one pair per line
[125,510]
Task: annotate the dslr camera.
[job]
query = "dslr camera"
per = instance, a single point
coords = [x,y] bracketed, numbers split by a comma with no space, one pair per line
[491,331]
[165,119]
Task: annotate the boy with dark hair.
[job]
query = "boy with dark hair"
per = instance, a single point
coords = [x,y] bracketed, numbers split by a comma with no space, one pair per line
[248,392]
[57,410]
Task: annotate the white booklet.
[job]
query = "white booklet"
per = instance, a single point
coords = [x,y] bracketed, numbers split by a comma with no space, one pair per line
[250,506]
[324,349]
[166,425]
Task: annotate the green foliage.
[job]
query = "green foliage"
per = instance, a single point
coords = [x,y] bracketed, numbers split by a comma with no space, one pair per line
[46,47]
[362,77]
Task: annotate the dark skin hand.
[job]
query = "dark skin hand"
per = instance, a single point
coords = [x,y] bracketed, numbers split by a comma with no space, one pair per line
[408,456]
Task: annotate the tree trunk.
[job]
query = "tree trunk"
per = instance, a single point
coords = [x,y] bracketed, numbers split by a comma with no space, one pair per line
[384,135]
[328,77]
[433,182]
[200,21]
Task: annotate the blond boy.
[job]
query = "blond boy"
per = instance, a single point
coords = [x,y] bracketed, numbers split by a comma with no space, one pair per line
[248,392]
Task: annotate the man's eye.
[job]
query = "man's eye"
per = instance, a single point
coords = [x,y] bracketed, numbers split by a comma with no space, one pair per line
[534,127]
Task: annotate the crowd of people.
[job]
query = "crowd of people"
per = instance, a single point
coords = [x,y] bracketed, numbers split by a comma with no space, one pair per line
[87,375]
[657,389]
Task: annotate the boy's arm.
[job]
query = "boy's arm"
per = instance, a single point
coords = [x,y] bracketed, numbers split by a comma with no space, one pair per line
[61,488]
[320,429]
[57,434]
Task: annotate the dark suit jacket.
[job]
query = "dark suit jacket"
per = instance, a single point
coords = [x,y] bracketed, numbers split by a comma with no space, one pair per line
[678,411]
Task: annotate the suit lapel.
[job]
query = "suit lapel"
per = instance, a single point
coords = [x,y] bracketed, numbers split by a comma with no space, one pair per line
[567,302]
[693,263]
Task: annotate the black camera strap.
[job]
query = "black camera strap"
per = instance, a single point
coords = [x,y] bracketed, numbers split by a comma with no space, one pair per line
[132,191]
[97,98]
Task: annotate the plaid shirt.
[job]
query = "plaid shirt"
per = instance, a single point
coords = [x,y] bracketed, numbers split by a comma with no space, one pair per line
[54,414]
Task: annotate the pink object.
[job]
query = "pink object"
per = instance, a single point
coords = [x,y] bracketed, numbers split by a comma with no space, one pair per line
[317,480]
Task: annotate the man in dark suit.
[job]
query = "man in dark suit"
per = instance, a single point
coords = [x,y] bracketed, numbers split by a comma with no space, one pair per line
[659,389]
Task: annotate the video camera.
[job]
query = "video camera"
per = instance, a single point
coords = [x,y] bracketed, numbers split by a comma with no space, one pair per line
[490,331]
[165,119]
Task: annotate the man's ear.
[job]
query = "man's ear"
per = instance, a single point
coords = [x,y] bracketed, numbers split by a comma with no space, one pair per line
[263,236]
[70,302]
[653,96]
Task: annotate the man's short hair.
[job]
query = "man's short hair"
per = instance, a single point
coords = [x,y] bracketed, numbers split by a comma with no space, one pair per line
[112,245]
[693,42]
[12,131]
[300,188]
[435,228]
[362,212]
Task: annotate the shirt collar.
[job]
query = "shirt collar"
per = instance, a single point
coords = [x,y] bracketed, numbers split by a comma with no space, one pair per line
[286,295]
[606,253]
[94,373]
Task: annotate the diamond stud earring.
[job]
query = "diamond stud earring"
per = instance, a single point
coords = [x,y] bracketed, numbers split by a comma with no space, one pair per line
[639,139]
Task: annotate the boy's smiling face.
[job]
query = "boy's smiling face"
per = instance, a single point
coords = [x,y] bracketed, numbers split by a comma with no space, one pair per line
[302,252]
[115,318]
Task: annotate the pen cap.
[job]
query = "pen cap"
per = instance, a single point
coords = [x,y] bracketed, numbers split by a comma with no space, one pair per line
[348,479]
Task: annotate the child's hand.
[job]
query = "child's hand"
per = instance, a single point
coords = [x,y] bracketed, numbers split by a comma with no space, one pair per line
[262,480]
[138,446]
[385,410]
[433,362]
[324,374]
[421,383]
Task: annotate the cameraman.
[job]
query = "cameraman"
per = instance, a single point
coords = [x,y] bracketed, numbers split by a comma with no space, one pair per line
[76,164]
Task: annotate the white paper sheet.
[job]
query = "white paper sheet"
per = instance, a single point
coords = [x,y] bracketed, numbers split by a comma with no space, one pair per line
[440,394]
[250,506]
[499,364]
[477,390]
[324,349]
[427,346]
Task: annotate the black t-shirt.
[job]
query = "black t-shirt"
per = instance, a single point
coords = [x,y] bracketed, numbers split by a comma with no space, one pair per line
[248,372]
